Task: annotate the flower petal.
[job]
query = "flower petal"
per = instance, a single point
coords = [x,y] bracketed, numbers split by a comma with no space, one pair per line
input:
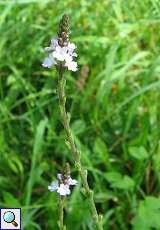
[72,65]
[71,46]
[67,57]
[53,186]
[72,181]
[54,42]
[59,176]
[48,62]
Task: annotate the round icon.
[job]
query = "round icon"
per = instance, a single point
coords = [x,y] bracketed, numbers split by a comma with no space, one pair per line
[9,217]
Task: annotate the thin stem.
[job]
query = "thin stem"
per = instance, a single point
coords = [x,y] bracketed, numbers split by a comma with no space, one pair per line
[61,213]
[76,154]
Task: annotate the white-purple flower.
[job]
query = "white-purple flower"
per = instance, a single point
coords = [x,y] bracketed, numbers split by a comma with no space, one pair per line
[71,65]
[63,190]
[57,54]
[60,53]
[62,185]
[49,61]
[53,186]
[72,181]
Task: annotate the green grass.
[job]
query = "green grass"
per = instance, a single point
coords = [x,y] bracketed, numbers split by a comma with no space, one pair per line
[115,117]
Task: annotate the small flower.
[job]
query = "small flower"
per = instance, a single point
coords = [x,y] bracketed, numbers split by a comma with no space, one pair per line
[72,181]
[49,61]
[53,186]
[62,185]
[71,48]
[63,189]
[71,65]
[60,53]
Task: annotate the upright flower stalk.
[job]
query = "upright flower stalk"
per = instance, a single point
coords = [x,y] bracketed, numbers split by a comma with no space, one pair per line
[61,213]
[62,54]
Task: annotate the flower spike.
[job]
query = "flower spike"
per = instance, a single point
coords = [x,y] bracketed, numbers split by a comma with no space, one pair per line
[61,51]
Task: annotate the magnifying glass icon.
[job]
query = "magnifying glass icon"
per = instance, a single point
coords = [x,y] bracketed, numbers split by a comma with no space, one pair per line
[9,217]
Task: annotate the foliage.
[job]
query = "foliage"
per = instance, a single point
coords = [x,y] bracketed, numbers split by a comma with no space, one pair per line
[148,214]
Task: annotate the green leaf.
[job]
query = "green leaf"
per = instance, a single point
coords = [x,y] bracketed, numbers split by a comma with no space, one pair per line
[118,181]
[16,165]
[100,148]
[148,214]
[37,148]
[138,153]
[10,200]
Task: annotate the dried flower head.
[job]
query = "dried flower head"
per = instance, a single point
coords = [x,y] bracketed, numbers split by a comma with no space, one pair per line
[80,83]
[61,51]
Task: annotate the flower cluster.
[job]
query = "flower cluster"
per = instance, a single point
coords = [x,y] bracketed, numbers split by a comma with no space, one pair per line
[60,54]
[62,185]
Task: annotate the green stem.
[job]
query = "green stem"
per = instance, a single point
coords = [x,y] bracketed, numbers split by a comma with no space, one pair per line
[76,154]
[61,213]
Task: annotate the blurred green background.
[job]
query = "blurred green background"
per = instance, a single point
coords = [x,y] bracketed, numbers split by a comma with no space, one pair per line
[113,101]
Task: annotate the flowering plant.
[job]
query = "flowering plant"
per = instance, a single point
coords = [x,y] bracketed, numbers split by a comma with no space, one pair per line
[61,53]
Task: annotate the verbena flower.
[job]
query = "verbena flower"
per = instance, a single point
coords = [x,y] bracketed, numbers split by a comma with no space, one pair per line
[49,61]
[63,190]
[62,185]
[60,54]
[61,51]
[72,65]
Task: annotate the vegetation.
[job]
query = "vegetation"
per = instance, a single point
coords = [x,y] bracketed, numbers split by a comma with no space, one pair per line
[113,101]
